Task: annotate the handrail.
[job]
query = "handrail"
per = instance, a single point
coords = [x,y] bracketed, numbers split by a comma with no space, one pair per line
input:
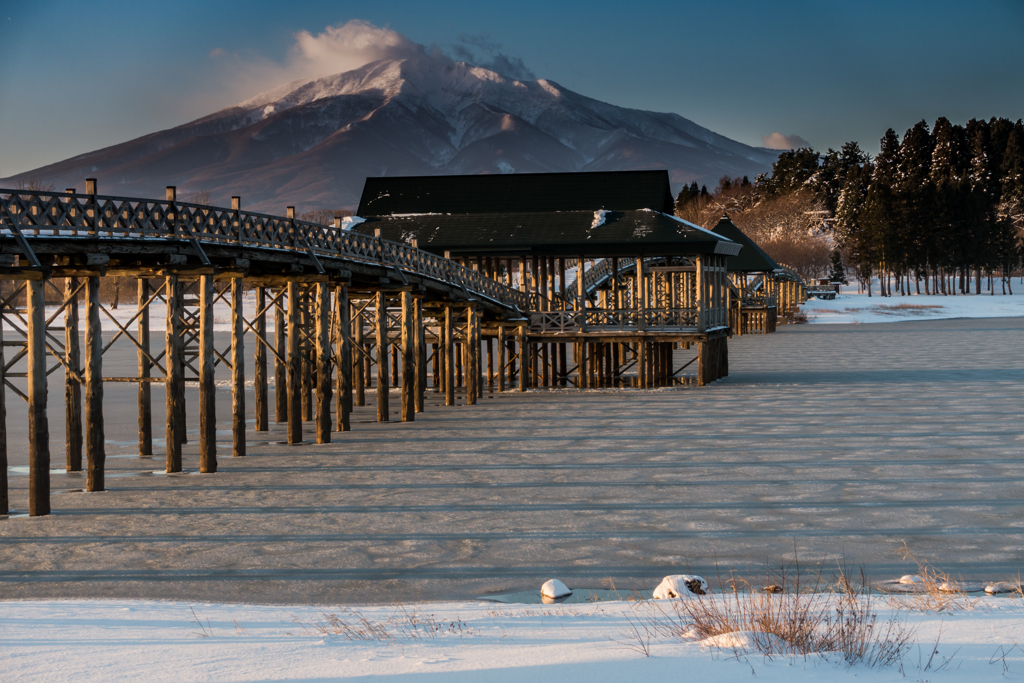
[62,214]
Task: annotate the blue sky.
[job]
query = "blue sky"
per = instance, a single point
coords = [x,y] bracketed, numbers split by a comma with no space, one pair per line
[81,76]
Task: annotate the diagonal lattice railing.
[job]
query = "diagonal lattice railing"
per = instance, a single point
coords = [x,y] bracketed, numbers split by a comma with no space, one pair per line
[36,215]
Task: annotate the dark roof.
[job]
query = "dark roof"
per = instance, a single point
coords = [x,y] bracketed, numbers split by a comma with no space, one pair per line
[517,192]
[752,259]
[555,233]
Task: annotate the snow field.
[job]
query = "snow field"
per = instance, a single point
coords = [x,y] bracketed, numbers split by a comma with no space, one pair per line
[94,640]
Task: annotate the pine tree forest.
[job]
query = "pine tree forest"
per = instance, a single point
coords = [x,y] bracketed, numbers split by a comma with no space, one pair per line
[940,211]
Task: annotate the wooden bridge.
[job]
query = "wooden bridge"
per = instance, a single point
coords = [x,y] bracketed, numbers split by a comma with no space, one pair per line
[343,303]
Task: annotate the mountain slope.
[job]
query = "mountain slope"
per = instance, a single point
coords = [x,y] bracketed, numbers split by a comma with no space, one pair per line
[312,143]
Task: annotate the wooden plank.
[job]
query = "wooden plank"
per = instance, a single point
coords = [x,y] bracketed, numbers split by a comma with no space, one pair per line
[294,390]
[145,391]
[238,369]
[38,426]
[207,383]
[382,357]
[280,364]
[344,326]
[72,388]
[261,408]
[408,351]
[174,384]
[5,500]
[95,446]
[322,317]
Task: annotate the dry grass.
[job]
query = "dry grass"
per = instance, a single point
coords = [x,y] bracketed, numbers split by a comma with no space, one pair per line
[403,625]
[936,592]
[908,307]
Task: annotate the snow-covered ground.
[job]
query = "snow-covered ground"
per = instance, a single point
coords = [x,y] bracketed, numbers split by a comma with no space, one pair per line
[853,307]
[92,640]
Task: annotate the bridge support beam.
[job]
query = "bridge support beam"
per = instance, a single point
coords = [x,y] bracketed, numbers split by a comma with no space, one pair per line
[358,357]
[237,369]
[501,358]
[420,353]
[280,360]
[38,427]
[72,389]
[342,328]
[322,331]
[472,355]
[448,344]
[145,394]
[95,446]
[174,381]
[260,407]
[207,384]
[382,357]
[294,373]
[409,360]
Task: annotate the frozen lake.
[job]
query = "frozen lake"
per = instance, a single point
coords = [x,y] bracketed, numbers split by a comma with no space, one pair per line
[838,441]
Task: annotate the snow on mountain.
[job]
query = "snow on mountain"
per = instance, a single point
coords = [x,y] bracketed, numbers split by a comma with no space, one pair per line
[312,143]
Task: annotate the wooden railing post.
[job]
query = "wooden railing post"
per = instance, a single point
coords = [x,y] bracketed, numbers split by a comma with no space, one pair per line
[237,369]
[207,383]
[322,312]
[72,389]
[38,426]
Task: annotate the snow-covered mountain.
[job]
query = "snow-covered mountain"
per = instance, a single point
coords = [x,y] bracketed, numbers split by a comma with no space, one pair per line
[312,143]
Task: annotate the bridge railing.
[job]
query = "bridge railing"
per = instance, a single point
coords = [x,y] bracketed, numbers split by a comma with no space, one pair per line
[622,320]
[62,214]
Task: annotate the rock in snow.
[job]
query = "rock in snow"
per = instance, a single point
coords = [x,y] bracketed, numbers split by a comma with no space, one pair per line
[553,588]
[680,586]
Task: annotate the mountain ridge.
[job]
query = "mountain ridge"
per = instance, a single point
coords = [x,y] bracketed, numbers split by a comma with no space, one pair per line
[311,143]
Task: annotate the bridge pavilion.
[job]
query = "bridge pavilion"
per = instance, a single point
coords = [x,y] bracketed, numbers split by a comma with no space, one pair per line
[615,281]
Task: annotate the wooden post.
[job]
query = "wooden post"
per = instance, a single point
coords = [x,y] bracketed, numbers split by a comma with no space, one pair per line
[358,376]
[5,500]
[38,427]
[95,447]
[501,358]
[280,364]
[260,361]
[174,379]
[237,369]
[523,363]
[449,358]
[207,384]
[72,389]
[343,323]
[472,354]
[382,358]
[145,388]
[420,351]
[409,360]
[294,366]
[322,311]
[306,353]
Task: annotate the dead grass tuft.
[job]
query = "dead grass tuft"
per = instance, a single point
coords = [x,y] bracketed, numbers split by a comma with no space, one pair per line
[403,625]
[936,592]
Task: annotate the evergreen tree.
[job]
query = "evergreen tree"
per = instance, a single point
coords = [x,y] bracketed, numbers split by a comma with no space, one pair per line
[791,172]
[837,272]
[915,199]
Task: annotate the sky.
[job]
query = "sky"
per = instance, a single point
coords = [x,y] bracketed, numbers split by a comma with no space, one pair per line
[77,77]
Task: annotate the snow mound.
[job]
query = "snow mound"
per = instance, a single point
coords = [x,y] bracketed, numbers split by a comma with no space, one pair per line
[680,586]
[553,588]
[910,578]
[751,641]
[349,221]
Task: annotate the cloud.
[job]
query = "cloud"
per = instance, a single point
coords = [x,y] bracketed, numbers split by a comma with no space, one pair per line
[346,47]
[780,141]
[481,51]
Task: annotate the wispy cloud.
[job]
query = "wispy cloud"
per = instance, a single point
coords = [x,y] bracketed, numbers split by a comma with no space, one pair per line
[780,141]
[481,51]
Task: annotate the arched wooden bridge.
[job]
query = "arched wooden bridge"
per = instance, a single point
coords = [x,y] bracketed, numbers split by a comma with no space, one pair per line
[340,300]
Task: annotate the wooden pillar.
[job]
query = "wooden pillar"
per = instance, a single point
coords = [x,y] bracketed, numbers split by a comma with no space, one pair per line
[145,398]
[321,328]
[95,445]
[260,361]
[702,363]
[382,358]
[207,385]
[306,351]
[449,357]
[409,360]
[5,500]
[38,427]
[294,359]
[280,363]
[358,375]
[472,355]
[237,369]
[344,345]
[73,390]
[501,358]
[420,353]
[174,379]
[489,366]
[522,358]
